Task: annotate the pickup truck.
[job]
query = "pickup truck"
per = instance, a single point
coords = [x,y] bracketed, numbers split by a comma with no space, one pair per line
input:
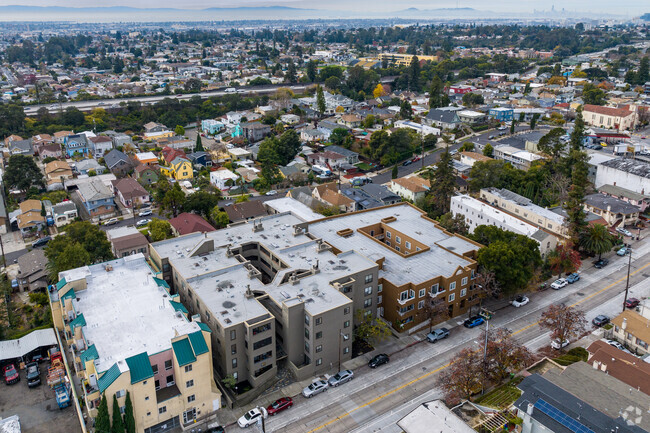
[33,374]
[437,334]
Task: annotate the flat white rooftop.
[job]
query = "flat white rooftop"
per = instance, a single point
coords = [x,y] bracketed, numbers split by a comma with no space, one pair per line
[125,310]
[288,204]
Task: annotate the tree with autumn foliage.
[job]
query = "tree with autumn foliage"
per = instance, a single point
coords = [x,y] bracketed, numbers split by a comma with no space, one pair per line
[564,259]
[435,311]
[463,377]
[379,91]
[504,355]
[564,322]
[486,284]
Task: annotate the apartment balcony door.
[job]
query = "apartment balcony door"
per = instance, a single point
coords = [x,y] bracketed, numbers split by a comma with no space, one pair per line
[189,415]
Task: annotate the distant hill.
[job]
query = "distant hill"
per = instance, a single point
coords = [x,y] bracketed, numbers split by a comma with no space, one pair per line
[646,17]
[443,12]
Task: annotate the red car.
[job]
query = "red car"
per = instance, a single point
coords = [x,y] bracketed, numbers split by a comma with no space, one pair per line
[11,374]
[632,302]
[279,405]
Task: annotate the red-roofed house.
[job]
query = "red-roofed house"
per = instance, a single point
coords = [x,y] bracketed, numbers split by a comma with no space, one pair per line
[187,223]
[609,117]
[169,154]
[327,158]
[623,366]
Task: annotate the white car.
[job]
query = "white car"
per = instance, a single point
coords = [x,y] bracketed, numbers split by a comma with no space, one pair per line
[143,222]
[251,417]
[623,231]
[145,212]
[617,345]
[555,344]
[559,283]
[272,192]
[520,301]
[316,387]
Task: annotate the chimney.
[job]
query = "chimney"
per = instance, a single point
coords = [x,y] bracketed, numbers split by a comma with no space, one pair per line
[596,365]
[529,411]
[624,325]
[603,367]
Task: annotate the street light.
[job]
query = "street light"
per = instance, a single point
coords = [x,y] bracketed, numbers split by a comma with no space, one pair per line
[627,282]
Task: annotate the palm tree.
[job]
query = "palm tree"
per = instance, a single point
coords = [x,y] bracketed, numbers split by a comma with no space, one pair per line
[597,239]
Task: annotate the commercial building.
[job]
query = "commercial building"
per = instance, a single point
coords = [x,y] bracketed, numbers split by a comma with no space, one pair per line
[128,334]
[609,117]
[632,174]
[402,59]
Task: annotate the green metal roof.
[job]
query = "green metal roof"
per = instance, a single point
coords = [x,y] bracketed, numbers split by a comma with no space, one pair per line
[179,307]
[78,321]
[69,294]
[198,343]
[60,284]
[204,327]
[140,367]
[88,355]
[108,378]
[161,282]
[183,351]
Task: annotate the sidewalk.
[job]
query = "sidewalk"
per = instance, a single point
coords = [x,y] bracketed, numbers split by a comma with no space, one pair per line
[12,241]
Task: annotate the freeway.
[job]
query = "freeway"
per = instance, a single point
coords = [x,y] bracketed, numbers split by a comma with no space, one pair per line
[388,391]
[31,110]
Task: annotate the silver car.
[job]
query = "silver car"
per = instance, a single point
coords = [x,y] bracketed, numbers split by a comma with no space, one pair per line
[341,377]
[316,387]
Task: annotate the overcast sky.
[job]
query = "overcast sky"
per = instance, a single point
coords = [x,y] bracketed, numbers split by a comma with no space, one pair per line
[620,7]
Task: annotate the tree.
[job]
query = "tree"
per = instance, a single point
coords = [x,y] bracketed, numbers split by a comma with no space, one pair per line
[486,284]
[160,230]
[129,418]
[320,100]
[564,258]
[436,95]
[311,70]
[467,146]
[593,95]
[414,74]
[551,143]
[643,76]
[472,99]
[290,76]
[564,322]
[339,136]
[454,223]
[179,130]
[462,378]
[22,173]
[533,121]
[70,257]
[597,239]
[443,184]
[394,172]
[488,150]
[118,423]
[513,124]
[405,110]
[379,91]
[219,218]
[174,199]
[370,330]
[200,202]
[103,421]
[435,311]
[575,204]
[503,355]
[199,144]
[229,381]
[577,137]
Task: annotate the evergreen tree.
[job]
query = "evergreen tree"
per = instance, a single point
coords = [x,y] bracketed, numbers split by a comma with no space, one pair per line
[435,93]
[414,74]
[405,110]
[290,77]
[103,421]
[643,75]
[320,100]
[488,150]
[118,423]
[393,174]
[574,204]
[443,185]
[199,144]
[311,70]
[578,133]
[129,418]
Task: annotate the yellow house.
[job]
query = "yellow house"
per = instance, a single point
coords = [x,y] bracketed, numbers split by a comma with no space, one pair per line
[179,169]
[132,337]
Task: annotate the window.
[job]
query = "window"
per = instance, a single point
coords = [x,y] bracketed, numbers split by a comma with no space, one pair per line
[306,333]
[388,235]
[452,297]
[398,240]
[319,361]
[319,320]
[168,365]
[306,319]
[407,245]
[452,286]
[157,385]
[191,398]
[346,324]
[233,349]
[397,249]
[319,348]
[262,343]
[306,347]
[122,409]
[188,368]
[261,329]
[154,367]
[368,278]
[463,282]
[233,334]
[367,303]
[319,335]
[422,293]
[346,310]
[406,309]
[146,398]
[263,356]
[379,298]
[189,384]
[346,350]
[170,380]
[234,363]
[473,274]
[367,291]
[420,305]
[434,289]
[463,292]
[120,393]
[380,287]
[162,409]
[148,413]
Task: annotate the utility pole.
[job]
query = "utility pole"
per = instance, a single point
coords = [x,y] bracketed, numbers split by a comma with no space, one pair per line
[627,282]
[487,333]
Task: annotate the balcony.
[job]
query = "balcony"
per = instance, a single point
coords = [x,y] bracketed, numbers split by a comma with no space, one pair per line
[405,300]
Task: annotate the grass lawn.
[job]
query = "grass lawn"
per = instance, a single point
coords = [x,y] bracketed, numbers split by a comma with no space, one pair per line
[363,166]
[501,397]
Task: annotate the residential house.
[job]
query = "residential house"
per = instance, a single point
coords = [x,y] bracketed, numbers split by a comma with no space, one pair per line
[350,120]
[146,174]
[30,221]
[130,193]
[609,117]
[471,158]
[290,119]
[21,147]
[521,159]
[156,131]
[64,213]
[211,126]
[49,151]
[59,136]
[200,159]
[100,145]
[245,211]
[313,135]
[471,117]
[94,199]
[179,169]
[220,177]
[76,144]
[32,274]
[616,212]
[55,173]
[127,241]
[187,223]
[351,157]
[255,131]
[327,158]
[502,114]
[412,188]
[177,143]
[238,154]
[169,154]
[87,166]
[251,174]
[631,329]
[118,162]
[443,119]
[120,139]
[146,158]
[641,201]
[620,365]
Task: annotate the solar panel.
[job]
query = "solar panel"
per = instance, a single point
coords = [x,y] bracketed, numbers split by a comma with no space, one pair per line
[561,417]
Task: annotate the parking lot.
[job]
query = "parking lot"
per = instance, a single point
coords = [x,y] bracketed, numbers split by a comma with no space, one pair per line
[36,407]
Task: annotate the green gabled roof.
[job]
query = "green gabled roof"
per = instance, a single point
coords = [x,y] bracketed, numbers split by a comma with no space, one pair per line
[178,307]
[161,282]
[183,351]
[69,294]
[108,378]
[88,355]
[78,321]
[198,343]
[140,367]
[61,284]
[204,327]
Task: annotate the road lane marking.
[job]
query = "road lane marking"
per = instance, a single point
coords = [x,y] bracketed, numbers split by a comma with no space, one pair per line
[424,376]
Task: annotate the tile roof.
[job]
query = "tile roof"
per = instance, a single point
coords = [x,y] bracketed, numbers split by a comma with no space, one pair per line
[637,325]
[413,183]
[140,367]
[108,378]
[623,366]
[607,111]
[78,321]
[183,351]
[245,210]
[186,223]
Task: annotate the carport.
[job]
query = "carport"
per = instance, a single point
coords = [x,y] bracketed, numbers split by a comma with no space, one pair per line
[12,350]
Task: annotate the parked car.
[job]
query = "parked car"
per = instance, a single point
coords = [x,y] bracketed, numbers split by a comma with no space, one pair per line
[11,374]
[42,241]
[340,378]
[217,429]
[492,137]
[143,222]
[572,278]
[279,405]
[33,374]
[502,128]
[110,222]
[623,251]
[599,264]
[555,344]
[145,212]
[378,360]
[520,301]
[416,159]
[617,345]
[272,192]
[600,320]
[437,334]
[559,283]
[407,162]
[623,231]
[473,322]
[251,417]
[631,302]
[316,387]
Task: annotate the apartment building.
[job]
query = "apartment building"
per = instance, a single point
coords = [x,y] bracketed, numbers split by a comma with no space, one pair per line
[525,209]
[521,159]
[478,213]
[128,334]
